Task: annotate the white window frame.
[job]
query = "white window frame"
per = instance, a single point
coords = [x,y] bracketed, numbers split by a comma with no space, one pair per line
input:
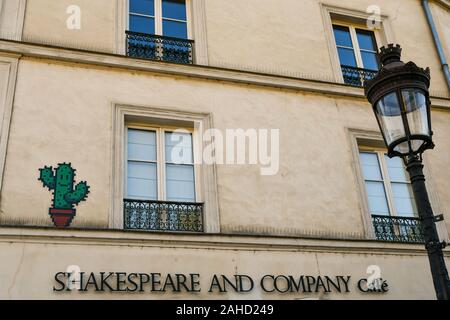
[333,15]
[381,153]
[161,159]
[196,14]
[151,117]
[159,18]
[354,38]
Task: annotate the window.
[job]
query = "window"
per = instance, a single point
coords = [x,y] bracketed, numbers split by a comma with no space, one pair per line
[357,50]
[154,190]
[175,181]
[142,177]
[159,30]
[390,197]
[387,186]
[160,189]
[180,182]
[159,17]
[174,19]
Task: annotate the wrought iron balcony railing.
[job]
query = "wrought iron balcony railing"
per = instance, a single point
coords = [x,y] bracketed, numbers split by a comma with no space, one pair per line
[398,229]
[356,76]
[154,47]
[163,216]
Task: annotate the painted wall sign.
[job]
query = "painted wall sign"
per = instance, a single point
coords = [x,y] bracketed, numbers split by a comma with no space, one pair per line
[191,283]
[61,181]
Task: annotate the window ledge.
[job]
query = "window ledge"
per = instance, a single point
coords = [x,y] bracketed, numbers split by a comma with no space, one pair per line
[24,49]
[203,241]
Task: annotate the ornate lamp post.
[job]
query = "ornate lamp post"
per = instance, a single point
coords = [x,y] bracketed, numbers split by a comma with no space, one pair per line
[400,99]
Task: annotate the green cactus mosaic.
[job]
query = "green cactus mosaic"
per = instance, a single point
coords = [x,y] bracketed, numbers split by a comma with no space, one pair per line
[61,180]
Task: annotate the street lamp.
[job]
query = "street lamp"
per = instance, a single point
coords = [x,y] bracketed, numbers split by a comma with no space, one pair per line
[401,103]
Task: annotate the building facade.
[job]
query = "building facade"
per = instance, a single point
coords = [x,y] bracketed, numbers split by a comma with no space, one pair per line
[209,149]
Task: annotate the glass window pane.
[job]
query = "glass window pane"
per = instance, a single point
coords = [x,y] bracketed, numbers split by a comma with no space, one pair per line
[141,145]
[370,166]
[366,40]
[404,199]
[175,29]
[141,170]
[342,36]
[174,9]
[142,180]
[370,61]
[180,185]
[179,148]
[347,57]
[377,198]
[396,169]
[142,7]
[142,24]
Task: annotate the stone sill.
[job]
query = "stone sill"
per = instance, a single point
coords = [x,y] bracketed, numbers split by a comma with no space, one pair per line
[91,237]
[23,49]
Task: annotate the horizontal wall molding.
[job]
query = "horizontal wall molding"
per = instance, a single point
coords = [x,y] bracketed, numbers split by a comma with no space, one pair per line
[194,71]
[204,241]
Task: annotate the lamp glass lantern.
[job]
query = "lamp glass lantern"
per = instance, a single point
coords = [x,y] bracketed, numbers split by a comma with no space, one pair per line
[400,99]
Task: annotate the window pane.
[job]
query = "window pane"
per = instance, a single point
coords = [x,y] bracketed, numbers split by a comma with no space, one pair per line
[174,9]
[142,7]
[179,148]
[369,60]
[141,170]
[370,166]
[175,29]
[142,24]
[142,181]
[342,36]
[141,145]
[347,57]
[180,185]
[366,40]
[404,199]
[396,169]
[377,198]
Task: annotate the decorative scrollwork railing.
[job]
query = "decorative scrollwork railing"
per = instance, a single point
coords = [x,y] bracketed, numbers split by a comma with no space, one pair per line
[163,216]
[356,76]
[398,229]
[154,47]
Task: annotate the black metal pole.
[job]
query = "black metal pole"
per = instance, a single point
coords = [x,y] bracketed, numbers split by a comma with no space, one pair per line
[432,244]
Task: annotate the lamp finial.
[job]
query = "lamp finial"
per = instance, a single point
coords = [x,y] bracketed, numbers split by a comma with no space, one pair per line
[390,53]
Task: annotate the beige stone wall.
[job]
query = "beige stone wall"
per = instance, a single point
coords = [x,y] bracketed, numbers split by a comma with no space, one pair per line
[289,36]
[277,36]
[63,113]
[46,21]
[282,37]
[34,261]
